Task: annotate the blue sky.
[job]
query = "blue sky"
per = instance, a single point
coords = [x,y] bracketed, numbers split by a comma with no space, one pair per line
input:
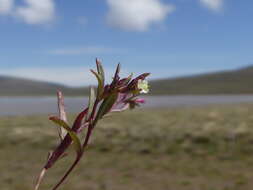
[59,40]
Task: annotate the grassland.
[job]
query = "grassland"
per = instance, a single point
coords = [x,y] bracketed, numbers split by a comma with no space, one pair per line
[201,148]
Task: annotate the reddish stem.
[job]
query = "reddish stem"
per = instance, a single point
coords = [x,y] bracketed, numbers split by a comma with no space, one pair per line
[86,141]
[78,158]
[67,173]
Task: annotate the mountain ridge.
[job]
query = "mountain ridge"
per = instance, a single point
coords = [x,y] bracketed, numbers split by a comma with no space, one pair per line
[238,81]
[17,86]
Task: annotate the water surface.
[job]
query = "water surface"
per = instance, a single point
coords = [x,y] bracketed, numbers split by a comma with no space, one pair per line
[48,105]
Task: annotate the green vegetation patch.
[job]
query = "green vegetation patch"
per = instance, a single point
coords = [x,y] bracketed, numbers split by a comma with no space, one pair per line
[184,149]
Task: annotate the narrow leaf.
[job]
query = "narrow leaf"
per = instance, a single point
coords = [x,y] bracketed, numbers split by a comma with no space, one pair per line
[106,105]
[117,70]
[73,135]
[62,114]
[78,121]
[116,76]
[100,83]
[92,99]
[100,69]
[101,73]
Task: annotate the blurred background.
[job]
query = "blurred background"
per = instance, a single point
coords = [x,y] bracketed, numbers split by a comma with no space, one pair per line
[195,130]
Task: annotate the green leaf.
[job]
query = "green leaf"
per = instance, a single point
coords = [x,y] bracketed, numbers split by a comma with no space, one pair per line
[92,99]
[100,83]
[62,113]
[100,70]
[107,105]
[73,135]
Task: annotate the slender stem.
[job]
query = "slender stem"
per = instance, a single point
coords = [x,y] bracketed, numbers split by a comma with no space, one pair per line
[86,141]
[38,182]
[78,158]
[67,173]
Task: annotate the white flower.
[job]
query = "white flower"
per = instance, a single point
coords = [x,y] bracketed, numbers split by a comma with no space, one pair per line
[143,86]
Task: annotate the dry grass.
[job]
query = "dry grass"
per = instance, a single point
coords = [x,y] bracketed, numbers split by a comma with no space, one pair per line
[201,148]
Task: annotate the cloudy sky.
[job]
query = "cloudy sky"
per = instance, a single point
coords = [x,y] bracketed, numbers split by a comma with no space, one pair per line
[59,40]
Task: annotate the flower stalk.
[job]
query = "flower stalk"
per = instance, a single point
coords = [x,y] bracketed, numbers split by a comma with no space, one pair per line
[120,95]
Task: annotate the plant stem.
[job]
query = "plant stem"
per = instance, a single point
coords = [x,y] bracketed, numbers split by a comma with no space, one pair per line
[86,141]
[67,173]
[42,174]
[78,158]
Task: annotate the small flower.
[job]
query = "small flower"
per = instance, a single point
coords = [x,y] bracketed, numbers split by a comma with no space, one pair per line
[135,102]
[143,86]
[140,101]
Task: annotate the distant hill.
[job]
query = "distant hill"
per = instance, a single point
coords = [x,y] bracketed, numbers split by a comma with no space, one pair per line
[238,81]
[227,82]
[11,86]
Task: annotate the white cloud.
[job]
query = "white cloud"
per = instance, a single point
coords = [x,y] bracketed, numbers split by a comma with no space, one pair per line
[37,11]
[137,15]
[83,50]
[215,5]
[6,6]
